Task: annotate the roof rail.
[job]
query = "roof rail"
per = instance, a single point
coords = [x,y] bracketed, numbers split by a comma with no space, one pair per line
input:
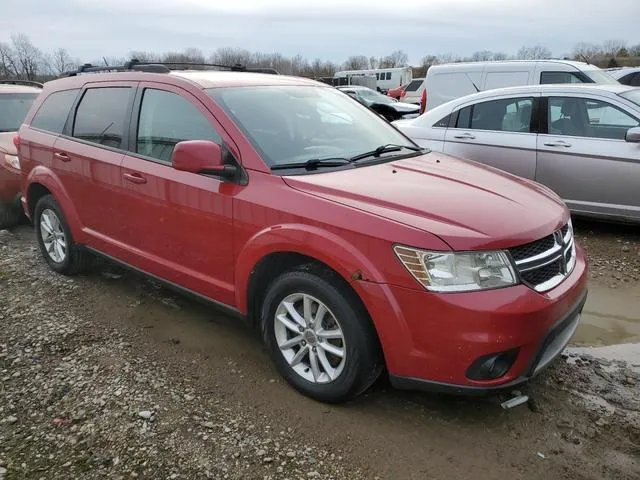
[26,83]
[162,67]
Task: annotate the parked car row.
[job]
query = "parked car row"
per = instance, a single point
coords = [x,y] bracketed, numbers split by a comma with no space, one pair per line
[582,141]
[352,249]
[16,98]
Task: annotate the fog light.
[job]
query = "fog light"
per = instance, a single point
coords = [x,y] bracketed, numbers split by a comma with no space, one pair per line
[490,367]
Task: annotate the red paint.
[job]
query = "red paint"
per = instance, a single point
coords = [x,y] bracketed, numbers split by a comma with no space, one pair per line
[397,92]
[207,234]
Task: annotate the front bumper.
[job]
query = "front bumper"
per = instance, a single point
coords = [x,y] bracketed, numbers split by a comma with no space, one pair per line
[430,340]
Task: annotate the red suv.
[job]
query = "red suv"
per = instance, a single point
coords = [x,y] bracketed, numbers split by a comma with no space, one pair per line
[282,200]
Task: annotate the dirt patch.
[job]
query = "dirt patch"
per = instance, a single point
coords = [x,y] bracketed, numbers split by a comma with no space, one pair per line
[109,376]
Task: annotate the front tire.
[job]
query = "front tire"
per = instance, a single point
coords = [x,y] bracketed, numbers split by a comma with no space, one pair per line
[55,240]
[319,335]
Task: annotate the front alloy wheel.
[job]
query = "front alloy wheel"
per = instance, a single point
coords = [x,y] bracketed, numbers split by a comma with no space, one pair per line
[310,338]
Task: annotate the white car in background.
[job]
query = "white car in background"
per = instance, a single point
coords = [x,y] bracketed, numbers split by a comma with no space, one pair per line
[626,75]
[582,141]
[454,80]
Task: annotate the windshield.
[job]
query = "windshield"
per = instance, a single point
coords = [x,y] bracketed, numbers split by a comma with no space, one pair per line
[598,76]
[291,124]
[13,108]
[632,95]
[372,96]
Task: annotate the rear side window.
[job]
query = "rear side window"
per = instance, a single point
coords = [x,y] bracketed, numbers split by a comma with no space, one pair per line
[166,118]
[505,115]
[53,113]
[464,118]
[13,109]
[443,123]
[632,79]
[547,78]
[414,85]
[101,115]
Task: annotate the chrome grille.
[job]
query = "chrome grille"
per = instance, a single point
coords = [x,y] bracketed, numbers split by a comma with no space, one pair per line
[545,263]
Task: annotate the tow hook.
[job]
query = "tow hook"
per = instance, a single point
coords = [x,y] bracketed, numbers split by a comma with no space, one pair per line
[517,398]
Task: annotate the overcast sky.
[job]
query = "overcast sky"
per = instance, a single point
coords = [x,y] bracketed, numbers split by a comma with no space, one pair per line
[329,29]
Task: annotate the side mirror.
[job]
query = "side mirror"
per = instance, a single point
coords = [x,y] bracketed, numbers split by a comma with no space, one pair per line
[633,135]
[201,156]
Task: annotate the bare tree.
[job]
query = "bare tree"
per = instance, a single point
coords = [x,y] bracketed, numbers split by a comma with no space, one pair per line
[500,56]
[27,56]
[231,56]
[8,62]
[482,56]
[143,56]
[586,52]
[396,59]
[356,62]
[374,62]
[612,47]
[60,61]
[536,52]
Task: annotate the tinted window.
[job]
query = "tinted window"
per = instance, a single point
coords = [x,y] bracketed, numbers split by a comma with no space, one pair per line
[388,75]
[627,79]
[414,85]
[167,118]
[559,77]
[505,115]
[53,113]
[13,109]
[464,118]
[582,117]
[444,123]
[101,115]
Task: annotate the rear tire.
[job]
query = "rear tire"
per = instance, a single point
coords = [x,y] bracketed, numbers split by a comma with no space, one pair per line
[329,351]
[10,216]
[55,240]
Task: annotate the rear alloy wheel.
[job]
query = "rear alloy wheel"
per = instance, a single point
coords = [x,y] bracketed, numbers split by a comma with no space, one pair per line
[55,240]
[319,335]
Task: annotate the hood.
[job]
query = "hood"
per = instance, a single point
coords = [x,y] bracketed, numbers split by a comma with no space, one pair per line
[6,143]
[468,205]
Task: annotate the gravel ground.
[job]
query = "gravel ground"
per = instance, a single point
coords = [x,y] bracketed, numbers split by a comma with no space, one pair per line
[109,376]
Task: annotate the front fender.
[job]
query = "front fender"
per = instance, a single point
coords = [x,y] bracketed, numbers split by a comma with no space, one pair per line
[44,176]
[324,246]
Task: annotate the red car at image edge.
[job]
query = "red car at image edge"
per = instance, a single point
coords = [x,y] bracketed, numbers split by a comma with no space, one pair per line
[351,249]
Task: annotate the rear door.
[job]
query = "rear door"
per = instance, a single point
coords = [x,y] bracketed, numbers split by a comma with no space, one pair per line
[88,155]
[180,224]
[500,132]
[583,157]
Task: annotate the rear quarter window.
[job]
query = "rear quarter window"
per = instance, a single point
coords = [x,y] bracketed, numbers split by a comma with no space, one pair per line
[53,113]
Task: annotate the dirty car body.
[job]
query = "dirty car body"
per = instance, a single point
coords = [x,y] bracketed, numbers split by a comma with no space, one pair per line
[293,206]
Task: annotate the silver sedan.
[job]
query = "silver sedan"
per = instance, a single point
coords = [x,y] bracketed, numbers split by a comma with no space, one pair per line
[582,141]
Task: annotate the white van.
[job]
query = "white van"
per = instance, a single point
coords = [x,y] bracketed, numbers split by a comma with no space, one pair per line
[454,80]
[386,77]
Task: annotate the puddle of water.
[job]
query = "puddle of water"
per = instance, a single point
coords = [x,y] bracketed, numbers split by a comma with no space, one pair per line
[610,317]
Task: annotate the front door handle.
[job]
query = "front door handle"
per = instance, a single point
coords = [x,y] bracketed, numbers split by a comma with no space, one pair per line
[62,156]
[135,178]
[465,136]
[558,143]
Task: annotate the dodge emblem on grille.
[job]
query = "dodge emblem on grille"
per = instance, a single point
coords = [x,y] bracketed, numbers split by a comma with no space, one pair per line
[560,241]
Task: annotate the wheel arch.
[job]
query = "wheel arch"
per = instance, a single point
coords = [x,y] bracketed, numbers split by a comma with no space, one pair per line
[42,181]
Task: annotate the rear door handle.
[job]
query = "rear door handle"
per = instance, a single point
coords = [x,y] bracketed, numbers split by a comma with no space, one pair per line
[62,156]
[135,178]
[465,136]
[558,143]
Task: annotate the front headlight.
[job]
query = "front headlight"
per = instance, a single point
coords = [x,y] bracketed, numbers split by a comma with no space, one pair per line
[458,272]
[11,160]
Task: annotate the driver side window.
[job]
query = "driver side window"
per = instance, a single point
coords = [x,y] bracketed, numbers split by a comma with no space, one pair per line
[166,118]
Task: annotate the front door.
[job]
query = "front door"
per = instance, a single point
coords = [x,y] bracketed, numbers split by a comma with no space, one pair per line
[497,132]
[584,158]
[180,223]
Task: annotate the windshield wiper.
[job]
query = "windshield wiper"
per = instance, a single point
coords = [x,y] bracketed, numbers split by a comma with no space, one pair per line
[389,147]
[314,163]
